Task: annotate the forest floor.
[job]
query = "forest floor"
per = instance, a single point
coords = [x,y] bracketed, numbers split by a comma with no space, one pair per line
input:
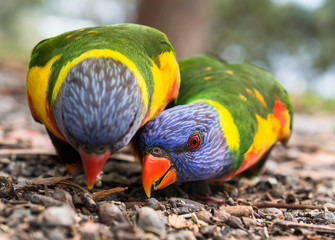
[293,198]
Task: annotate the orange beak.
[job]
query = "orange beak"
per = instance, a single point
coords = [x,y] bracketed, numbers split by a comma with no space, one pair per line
[93,164]
[155,169]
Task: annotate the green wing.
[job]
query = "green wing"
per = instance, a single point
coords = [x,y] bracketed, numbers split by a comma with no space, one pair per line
[244,92]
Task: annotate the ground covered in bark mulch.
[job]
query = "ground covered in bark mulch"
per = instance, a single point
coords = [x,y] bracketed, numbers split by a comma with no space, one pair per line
[293,198]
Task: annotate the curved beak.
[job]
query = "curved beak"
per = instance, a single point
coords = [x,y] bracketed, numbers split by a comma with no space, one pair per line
[157,171]
[93,164]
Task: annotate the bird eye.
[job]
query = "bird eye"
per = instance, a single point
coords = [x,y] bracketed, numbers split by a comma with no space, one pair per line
[156,151]
[194,141]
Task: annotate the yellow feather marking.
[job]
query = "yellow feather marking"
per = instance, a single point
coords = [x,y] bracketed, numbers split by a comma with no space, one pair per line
[69,36]
[37,88]
[268,133]
[77,38]
[208,68]
[249,91]
[207,78]
[243,97]
[166,84]
[106,53]
[260,97]
[80,30]
[228,72]
[92,31]
[226,122]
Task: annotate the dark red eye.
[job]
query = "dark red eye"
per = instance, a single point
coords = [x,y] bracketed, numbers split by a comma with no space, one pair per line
[194,141]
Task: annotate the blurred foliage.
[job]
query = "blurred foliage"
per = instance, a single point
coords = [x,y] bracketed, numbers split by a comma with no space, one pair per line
[295,43]
[309,102]
[10,18]
[262,28]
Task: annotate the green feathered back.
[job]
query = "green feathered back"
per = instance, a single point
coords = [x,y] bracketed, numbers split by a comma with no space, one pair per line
[136,42]
[233,86]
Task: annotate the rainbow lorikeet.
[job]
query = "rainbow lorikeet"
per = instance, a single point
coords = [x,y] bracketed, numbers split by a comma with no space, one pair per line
[227,118]
[93,89]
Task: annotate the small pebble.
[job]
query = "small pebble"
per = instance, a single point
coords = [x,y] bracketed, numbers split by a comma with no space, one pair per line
[135,208]
[210,230]
[290,198]
[56,233]
[222,215]
[231,202]
[59,216]
[127,232]
[18,216]
[181,235]
[249,222]
[154,204]
[88,202]
[63,196]
[85,211]
[110,214]
[234,222]
[181,210]
[90,231]
[204,216]
[274,211]
[328,216]
[184,202]
[289,217]
[149,221]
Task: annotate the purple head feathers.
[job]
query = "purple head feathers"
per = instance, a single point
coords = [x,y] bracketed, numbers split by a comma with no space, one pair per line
[191,137]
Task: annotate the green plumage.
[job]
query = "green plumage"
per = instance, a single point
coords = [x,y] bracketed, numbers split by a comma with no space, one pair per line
[93,88]
[136,42]
[208,78]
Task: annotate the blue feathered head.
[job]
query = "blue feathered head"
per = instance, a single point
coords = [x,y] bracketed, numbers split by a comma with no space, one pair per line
[183,143]
[98,109]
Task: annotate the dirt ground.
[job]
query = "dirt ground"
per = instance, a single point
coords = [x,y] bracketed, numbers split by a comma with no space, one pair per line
[294,197]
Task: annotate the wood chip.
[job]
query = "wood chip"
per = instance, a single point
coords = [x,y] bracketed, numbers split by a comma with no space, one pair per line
[239,210]
[177,222]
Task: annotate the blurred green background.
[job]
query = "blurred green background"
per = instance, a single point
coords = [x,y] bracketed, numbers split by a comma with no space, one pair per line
[293,39]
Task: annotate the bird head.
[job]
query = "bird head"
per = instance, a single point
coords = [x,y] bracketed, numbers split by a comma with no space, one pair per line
[97,110]
[183,143]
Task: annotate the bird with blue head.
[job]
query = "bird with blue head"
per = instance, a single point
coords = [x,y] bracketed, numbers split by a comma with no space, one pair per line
[93,88]
[226,118]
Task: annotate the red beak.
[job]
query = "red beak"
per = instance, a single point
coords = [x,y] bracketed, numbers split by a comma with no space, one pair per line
[154,169]
[93,164]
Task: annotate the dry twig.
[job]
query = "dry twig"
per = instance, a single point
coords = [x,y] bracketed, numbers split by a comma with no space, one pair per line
[97,196]
[290,206]
[310,227]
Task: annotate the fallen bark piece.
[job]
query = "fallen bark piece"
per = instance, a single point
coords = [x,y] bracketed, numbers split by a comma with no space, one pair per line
[239,210]
[177,222]
[49,181]
[310,227]
[97,196]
